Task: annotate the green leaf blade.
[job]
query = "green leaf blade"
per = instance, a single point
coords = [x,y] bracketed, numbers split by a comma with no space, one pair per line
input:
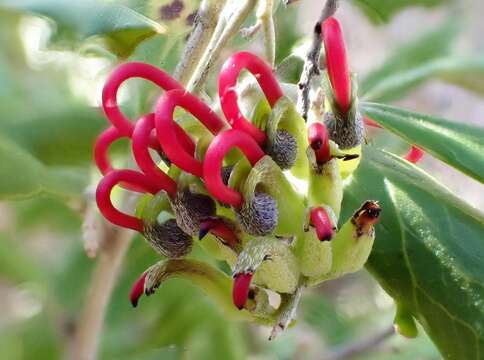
[428,250]
[459,145]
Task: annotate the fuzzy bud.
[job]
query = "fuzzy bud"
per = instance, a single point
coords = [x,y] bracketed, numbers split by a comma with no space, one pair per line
[191,209]
[347,133]
[282,149]
[168,239]
[259,217]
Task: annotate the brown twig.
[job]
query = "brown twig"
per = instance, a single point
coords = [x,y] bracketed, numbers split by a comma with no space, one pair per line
[361,347]
[311,63]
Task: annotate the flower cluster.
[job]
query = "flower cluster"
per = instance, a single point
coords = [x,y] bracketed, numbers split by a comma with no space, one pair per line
[226,181]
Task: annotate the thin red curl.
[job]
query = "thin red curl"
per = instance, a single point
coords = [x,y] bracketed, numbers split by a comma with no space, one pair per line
[321,221]
[241,288]
[337,62]
[166,127]
[414,155]
[212,165]
[318,139]
[122,73]
[142,156]
[103,196]
[227,83]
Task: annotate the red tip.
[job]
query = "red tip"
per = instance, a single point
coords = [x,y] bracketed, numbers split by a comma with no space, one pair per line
[212,165]
[227,83]
[318,139]
[220,229]
[321,221]
[240,291]
[168,135]
[372,123]
[122,73]
[414,155]
[103,196]
[141,139]
[336,62]
[137,290]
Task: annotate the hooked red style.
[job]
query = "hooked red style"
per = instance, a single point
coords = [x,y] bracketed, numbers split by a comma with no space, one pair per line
[318,139]
[337,62]
[320,220]
[166,127]
[240,290]
[137,290]
[212,165]
[227,83]
[103,196]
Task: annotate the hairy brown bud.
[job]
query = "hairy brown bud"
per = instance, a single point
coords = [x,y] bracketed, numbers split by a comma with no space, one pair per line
[191,209]
[168,239]
[347,133]
[282,149]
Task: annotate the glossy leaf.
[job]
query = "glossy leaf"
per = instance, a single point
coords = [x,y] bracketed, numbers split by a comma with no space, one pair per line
[432,45]
[458,144]
[23,176]
[466,72]
[121,27]
[381,11]
[428,250]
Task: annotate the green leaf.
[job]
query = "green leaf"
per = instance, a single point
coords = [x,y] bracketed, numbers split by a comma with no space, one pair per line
[428,250]
[121,27]
[381,11]
[432,45]
[466,72]
[23,176]
[459,145]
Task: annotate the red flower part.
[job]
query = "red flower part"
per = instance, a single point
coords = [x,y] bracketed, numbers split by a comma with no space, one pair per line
[103,196]
[240,291]
[142,156]
[320,220]
[318,139]
[227,83]
[137,290]
[212,165]
[166,127]
[414,155]
[220,229]
[122,73]
[336,62]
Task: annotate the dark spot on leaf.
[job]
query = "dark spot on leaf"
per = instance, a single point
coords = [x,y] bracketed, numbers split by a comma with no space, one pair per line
[171,11]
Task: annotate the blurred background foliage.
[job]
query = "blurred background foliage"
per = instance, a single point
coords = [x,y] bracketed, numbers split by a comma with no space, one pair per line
[54,57]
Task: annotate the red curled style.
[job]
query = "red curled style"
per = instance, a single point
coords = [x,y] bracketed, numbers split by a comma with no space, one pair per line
[337,62]
[101,147]
[240,290]
[137,290]
[142,156]
[414,155]
[321,221]
[318,139]
[212,165]
[227,83]
[122,73]
[166,127]
[103,196]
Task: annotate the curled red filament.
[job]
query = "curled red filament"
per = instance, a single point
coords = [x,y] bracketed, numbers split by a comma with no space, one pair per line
[240,290]
[212,165]
[122,73]
[318,139]
[320,220]
[137,290]
[220,229]
[140,147]
[103,196]
[337,62]
[166,127]
[414,155]
[227,83]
